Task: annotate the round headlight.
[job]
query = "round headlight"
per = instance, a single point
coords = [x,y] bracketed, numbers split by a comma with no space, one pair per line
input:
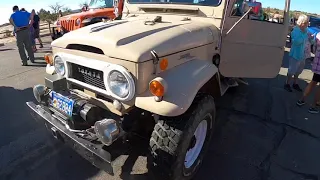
[118,84]
[78,22]
[59,66]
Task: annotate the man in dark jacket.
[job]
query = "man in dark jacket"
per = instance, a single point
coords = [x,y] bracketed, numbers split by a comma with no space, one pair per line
[36,26]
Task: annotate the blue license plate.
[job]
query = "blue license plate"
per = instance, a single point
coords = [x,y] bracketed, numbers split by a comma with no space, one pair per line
[62,103]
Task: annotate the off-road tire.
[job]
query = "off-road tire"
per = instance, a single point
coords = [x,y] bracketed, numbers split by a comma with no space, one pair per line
[171,138]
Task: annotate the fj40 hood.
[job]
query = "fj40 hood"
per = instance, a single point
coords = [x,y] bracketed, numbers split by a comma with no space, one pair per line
[133,39]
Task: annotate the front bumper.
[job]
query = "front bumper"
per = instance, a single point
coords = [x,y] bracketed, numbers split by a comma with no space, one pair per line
[94,153]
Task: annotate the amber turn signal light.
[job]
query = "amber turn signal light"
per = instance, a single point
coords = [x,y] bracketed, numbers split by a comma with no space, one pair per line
[163,64]
[48,58]
[156,88]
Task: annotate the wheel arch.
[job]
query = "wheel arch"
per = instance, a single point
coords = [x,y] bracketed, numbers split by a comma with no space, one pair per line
[184,83]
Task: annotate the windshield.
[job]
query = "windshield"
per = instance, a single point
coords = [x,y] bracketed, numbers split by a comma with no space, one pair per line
[314,22]
[100,4]
[191,2]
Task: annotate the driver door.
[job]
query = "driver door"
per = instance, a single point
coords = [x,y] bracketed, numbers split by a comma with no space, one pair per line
[254,48]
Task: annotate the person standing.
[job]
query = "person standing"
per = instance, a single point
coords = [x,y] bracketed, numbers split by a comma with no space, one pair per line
[36,27]
[33,40]
[315,80]
[21,21]
[299,37]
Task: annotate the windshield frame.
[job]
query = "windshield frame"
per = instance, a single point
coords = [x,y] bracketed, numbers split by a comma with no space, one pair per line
[175,3]
[98,7]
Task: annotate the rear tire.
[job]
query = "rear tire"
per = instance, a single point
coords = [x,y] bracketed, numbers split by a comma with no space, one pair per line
[178,144]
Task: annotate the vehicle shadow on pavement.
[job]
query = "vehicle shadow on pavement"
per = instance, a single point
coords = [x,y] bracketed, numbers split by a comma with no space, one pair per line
[28,150]
[36,64]
[262,135]
[39,62]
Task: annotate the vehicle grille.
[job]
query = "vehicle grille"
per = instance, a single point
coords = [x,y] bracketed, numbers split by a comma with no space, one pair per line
[87,75]
[68,25]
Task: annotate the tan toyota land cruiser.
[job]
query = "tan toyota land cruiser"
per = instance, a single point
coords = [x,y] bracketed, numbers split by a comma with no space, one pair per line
[155,73]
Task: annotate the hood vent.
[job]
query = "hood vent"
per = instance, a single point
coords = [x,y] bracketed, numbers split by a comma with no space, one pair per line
[85,48]
[105,26]
[193,11]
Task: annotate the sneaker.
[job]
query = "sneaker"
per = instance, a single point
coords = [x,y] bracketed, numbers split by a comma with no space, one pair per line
[24,64]
[297,87]
[287,87]
[300,103]
[313,110]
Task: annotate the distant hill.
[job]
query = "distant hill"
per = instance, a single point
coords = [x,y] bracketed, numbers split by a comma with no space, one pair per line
[75,11]
[293,13]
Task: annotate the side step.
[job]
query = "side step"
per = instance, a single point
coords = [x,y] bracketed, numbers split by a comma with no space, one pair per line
[226,83]
[242,81]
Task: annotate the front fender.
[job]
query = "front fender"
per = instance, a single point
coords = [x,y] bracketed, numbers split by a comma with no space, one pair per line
[183,82]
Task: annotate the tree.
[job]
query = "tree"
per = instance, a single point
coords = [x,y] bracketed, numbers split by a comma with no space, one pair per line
[55,8]
[66,11]
[47,16]
[84,3]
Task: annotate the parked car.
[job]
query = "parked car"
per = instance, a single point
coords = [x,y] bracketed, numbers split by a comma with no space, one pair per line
[95,12]
[313,28]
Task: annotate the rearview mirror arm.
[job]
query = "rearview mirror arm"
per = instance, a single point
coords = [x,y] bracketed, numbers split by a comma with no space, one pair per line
[235,24]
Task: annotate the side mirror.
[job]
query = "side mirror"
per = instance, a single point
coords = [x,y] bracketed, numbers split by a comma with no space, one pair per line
[251,4]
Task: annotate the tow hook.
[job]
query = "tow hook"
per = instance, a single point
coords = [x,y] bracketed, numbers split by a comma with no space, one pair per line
[56,133]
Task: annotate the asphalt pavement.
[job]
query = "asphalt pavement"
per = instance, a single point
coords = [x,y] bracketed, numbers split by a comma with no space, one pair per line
[262,135]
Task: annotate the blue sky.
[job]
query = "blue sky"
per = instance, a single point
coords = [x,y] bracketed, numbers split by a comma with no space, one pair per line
[312,6]
[6,6]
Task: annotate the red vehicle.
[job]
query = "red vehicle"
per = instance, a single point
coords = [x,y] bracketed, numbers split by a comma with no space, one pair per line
[95,12]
